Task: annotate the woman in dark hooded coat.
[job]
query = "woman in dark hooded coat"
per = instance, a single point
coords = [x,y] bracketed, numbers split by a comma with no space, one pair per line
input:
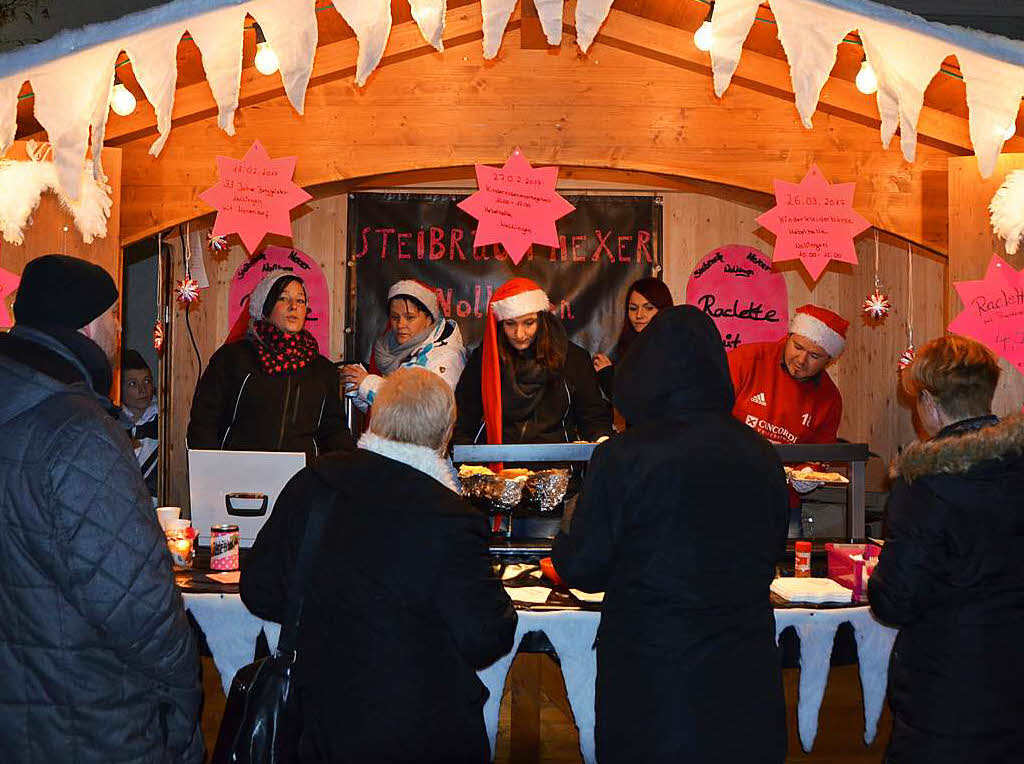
[681,521]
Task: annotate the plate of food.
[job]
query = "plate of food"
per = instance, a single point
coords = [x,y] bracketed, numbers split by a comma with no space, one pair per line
[808,474]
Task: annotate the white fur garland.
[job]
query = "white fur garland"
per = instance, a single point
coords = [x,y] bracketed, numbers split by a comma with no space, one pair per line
[22,183]
[1007,209]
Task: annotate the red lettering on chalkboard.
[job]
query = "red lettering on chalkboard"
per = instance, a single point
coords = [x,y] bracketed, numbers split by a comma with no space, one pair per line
[643,238]
[563,248]
[402,239]
[436,243]
[626,259]
[602,243]
[384,241]
[420,244]
[463,308]
[565,310]
[444,299]
[366,243]
[454,245]
[576,241]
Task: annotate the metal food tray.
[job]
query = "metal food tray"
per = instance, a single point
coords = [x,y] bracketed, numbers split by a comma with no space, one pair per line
[523,452]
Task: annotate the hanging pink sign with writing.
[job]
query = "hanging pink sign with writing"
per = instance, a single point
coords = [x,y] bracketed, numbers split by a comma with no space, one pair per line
[746,299]
[254,196]
[993,311]
[814,222]
[516,206]
[8,285]
[280,259]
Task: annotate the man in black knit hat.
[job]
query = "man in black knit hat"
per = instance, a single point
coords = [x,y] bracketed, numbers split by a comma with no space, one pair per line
[98,660]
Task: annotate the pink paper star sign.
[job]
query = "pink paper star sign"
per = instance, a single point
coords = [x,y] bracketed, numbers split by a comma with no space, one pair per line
[8,285]
[993,311]
[814,222]
[254,196]
[516,206]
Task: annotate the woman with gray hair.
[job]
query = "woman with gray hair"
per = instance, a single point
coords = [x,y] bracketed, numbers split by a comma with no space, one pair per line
[403,608]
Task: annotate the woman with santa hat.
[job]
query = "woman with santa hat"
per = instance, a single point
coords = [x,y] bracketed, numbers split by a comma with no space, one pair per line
[527,383]
[268,388]
[416,336]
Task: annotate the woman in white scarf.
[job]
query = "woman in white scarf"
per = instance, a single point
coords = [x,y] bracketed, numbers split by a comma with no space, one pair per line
[416,336]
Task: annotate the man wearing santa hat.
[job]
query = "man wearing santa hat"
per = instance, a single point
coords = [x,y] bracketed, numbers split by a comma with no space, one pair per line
[782,388]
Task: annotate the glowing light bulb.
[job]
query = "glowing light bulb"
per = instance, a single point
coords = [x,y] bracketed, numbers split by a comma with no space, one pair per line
[867,82]
[266,59]
[703,37]
[1010,131]
[122,101]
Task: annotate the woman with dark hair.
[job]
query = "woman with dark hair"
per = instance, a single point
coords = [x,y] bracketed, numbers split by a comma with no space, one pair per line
[644,298]
[416,336]
[270,390]
[950,573]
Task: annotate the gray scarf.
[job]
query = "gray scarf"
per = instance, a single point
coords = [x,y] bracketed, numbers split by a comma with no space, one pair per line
[388,354]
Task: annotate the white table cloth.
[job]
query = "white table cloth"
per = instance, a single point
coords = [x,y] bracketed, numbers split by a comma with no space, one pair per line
[231,632]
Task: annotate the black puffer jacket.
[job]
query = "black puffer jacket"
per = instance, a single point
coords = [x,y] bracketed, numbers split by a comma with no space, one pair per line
[239,407]
[951,576]
[680,522]
[403,609]
[97,660]
[572,408]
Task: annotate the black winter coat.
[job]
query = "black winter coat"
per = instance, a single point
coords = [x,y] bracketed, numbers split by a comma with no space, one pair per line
[572,408]
[681,521]
[951,576]
[403,609]
[238,407]
[98,663]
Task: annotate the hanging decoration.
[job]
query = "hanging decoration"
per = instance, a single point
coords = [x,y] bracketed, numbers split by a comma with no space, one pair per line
[1007,211]
[254,196]
[877,305]
[8,285]
[993,311]
[158,336]
[22,183]
[516,206]
[814,222]
[216,243]
[908,355]
[186,291]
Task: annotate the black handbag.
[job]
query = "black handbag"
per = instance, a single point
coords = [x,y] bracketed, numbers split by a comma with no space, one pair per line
[261,723]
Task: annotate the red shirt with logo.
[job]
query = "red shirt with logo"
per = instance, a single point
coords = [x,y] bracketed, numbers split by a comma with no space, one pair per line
[779,407]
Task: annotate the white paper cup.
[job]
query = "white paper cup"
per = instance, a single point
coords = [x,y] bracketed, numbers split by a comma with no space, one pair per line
[166,514]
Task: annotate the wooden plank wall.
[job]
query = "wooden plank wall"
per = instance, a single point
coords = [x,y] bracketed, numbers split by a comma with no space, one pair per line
[698,217]
[971,246]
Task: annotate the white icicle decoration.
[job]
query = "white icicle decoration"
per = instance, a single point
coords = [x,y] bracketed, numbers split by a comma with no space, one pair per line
[22,183]
[218,35]
[9,89]
[496,14]
[731,21]
[154,57]
[371,21]
[429,16]
[590,15]
[291,30]
[1007,211]
[550,14]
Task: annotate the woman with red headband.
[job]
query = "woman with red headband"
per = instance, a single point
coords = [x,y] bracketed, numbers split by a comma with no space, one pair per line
[527,383]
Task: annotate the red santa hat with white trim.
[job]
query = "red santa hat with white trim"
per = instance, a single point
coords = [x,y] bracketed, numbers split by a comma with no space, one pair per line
[423,293]
[822,327]
[514,298]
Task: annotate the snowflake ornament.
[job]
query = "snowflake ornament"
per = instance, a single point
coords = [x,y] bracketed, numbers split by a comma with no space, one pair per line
[158,336]
[187,291]
[217,243]
[907,358]
[877,305]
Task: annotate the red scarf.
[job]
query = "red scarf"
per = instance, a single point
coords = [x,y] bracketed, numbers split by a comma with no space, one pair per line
[283,353]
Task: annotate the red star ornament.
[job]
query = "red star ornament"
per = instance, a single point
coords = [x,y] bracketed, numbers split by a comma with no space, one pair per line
[254,196]
[516,206]
[993,311]
[814,222]
[8,285]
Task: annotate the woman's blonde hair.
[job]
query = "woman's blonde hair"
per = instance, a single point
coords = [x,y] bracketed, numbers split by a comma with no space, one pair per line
[414,406]
[960,374]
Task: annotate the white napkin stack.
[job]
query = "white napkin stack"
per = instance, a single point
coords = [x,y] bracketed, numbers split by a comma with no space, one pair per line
[816,590]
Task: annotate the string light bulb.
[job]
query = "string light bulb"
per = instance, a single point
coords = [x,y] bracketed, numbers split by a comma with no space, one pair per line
[122,102]
[1010,131]
[266,59]
[703,37]
[867,81]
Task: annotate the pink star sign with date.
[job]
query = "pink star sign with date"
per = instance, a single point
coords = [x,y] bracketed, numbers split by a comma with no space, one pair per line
[254,196]
[993,311]
[516,206]
[814,222]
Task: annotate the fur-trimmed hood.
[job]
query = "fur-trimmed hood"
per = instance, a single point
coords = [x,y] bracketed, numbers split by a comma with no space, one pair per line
[957,454]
